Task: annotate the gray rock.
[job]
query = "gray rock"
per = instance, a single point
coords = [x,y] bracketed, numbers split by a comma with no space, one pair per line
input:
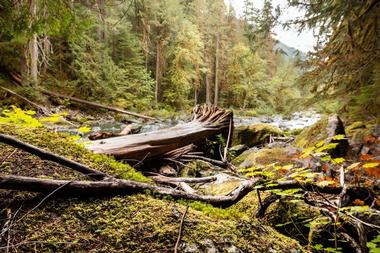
[189,248]
[233,249]
[209,246]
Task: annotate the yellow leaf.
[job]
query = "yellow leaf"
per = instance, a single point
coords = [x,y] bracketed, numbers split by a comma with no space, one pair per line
[352,166]
[84,129]
[370,165]
[320,144]
[307,152]
[338,137]
[339,160]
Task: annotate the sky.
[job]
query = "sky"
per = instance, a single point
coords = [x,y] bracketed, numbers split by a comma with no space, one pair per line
[304,41]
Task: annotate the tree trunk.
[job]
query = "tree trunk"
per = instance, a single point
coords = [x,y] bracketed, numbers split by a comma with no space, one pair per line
[33,46]
[158,71]
[208,91]
[207,121]
[216,95]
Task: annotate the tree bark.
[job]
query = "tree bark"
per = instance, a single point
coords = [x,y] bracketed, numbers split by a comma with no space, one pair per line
[207,121]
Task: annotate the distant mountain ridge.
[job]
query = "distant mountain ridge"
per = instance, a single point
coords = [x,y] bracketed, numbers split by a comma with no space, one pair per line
[288,52]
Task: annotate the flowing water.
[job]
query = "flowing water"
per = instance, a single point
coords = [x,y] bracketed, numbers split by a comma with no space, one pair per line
[297,120]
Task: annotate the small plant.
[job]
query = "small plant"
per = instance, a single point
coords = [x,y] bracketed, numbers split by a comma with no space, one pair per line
[19,117]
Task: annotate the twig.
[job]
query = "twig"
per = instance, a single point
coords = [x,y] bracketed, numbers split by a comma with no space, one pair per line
[46,155]
[40,203]
[228,141]
[141,161]
[259,197]
[352,242]
[180,230]
[212,161]
[39,107]
[7,157]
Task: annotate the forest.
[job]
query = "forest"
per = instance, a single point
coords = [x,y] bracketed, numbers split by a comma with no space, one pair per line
[189,126]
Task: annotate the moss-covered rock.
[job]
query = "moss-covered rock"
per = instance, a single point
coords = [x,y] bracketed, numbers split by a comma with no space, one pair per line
[255,134]
[324,129]
[265,156]
[137,223]
[236,150]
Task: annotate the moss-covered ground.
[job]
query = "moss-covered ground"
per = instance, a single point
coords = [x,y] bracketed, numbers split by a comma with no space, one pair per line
[136,223]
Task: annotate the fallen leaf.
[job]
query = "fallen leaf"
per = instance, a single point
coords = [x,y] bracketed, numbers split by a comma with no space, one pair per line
[358,202]
[366,157]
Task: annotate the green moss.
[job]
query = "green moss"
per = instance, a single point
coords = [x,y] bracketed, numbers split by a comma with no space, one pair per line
[313,134]
[265,156]
[358,130]
[239,159]
[137,223]
[66,146]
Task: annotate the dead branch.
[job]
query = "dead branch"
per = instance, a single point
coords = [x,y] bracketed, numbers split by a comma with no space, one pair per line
[260,212]
[117,187]
[110,108]
[191,180]
[206,159]
[41,108]
[180,229]
[46,155]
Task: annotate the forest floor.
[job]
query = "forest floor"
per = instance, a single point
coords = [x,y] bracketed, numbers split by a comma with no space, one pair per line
[138,223]
[151,223]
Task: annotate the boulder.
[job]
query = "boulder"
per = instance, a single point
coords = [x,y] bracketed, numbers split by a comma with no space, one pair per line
[255,134]
[324,129]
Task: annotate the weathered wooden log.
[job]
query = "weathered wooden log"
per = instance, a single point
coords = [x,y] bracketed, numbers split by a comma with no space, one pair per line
[46,155]
[81,101]
[207,121]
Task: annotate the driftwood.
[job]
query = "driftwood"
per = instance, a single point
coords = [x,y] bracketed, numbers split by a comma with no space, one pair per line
[46,155]
[110,108]
[207,121]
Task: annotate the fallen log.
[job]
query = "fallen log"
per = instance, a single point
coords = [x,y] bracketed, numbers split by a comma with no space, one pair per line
[207,121]
[46,155]
[126,187]
[43,109]
[110,108]
[116,187]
